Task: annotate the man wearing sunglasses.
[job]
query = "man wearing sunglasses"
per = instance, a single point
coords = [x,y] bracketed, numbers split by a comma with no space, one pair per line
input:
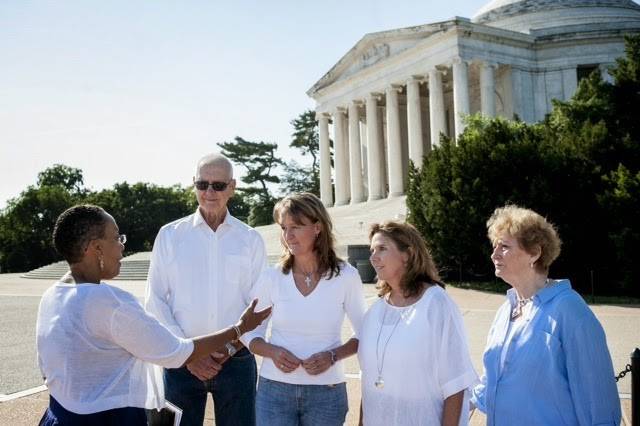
[203,268]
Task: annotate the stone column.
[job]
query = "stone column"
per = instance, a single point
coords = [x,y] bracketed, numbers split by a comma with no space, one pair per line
[326,193]
[374,154]
[436,107]
[414,122]
[569,82]
[460,94]
[394,141]
[340,158]
[365,157]
[487,89]
[355,158]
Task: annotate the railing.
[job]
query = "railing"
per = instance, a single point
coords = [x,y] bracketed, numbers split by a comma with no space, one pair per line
[634,369]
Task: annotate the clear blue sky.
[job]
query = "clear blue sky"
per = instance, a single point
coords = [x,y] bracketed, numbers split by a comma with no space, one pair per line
[138,90]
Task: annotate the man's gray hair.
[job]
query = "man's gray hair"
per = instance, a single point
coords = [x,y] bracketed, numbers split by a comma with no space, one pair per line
[215,160]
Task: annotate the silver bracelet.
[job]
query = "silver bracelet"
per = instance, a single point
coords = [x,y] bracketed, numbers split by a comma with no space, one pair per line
[334,356]
[238,332]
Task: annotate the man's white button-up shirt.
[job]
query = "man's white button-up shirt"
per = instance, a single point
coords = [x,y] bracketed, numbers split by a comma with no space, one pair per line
[200,281]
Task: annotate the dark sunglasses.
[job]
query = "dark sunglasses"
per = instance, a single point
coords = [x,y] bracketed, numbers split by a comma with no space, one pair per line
[203,185]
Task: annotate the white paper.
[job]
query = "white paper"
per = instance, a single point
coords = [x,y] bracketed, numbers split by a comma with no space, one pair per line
[177,412]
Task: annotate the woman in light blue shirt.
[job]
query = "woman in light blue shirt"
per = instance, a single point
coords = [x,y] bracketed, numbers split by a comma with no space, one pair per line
[546,361]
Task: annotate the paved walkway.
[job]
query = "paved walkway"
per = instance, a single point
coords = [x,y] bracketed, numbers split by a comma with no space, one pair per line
[19,300]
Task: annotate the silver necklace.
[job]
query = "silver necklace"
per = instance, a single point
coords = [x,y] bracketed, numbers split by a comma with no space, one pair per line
[307,279]
[521,303]
[379,383]
[517,310]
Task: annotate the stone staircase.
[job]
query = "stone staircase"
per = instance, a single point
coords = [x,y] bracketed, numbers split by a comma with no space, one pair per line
[131,270]
[351,226]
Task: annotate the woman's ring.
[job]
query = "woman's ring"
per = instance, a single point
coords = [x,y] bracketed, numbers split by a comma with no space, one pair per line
[281,366]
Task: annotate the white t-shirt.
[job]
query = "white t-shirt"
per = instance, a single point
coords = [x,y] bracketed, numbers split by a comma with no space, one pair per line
[311,324]
[426,360]
[94,342]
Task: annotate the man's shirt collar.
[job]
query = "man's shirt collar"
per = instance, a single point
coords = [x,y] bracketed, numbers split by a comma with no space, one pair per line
[198,219]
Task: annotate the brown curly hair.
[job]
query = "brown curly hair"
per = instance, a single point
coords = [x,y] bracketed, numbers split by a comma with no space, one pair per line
[420,269]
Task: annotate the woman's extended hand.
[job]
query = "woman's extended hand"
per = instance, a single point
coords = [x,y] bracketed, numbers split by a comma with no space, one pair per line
[284,360]
[250,319]
[318,363]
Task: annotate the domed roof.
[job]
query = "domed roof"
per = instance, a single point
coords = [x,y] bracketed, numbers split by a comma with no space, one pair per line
[526,15]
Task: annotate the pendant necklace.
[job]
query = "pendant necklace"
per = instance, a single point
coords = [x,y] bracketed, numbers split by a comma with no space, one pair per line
[521,303]
[307,279]
[379,383]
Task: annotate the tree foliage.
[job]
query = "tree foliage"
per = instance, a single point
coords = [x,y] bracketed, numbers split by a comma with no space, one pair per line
[260,161]
[27,222]
[26,225]
[298,177]
[141,209]
[69,178]
[580,168]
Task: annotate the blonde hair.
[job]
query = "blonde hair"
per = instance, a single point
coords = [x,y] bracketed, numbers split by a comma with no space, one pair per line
[306,205]
[420,267]
[531,230]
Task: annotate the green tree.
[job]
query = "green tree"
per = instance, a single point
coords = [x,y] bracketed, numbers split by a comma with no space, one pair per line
[26,225]
[240,205]
[69,178]
[141,209]
[580,168]
[260,161]
[299,178]
[27,222]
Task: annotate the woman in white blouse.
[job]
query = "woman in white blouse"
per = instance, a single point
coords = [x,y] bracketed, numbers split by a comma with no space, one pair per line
[413,351]
[302,381]
[93,339]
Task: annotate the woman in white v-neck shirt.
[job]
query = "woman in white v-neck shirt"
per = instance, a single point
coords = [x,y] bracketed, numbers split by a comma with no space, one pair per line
[302,380]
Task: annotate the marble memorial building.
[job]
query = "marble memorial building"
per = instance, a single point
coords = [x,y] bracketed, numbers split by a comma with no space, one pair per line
[389,98]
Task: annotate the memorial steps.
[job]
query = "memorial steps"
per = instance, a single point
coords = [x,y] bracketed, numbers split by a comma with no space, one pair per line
[130,270]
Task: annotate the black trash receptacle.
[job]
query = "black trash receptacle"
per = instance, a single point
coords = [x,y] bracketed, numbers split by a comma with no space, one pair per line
[366,271]
[358,257]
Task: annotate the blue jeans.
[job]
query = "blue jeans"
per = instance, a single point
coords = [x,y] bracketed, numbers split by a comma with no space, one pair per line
[284,404]
[233,391]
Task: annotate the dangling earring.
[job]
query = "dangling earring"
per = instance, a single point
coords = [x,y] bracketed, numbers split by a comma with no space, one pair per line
[531,265]
[101,260]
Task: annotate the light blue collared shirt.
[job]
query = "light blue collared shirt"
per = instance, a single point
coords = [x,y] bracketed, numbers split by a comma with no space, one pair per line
[557,369]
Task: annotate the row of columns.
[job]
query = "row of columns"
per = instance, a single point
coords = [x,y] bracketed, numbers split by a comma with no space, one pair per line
[348,161]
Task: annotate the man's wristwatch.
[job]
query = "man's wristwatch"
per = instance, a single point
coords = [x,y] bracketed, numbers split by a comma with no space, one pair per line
[231,350]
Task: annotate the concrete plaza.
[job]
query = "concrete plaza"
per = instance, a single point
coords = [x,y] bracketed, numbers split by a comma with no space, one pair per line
[23,399]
